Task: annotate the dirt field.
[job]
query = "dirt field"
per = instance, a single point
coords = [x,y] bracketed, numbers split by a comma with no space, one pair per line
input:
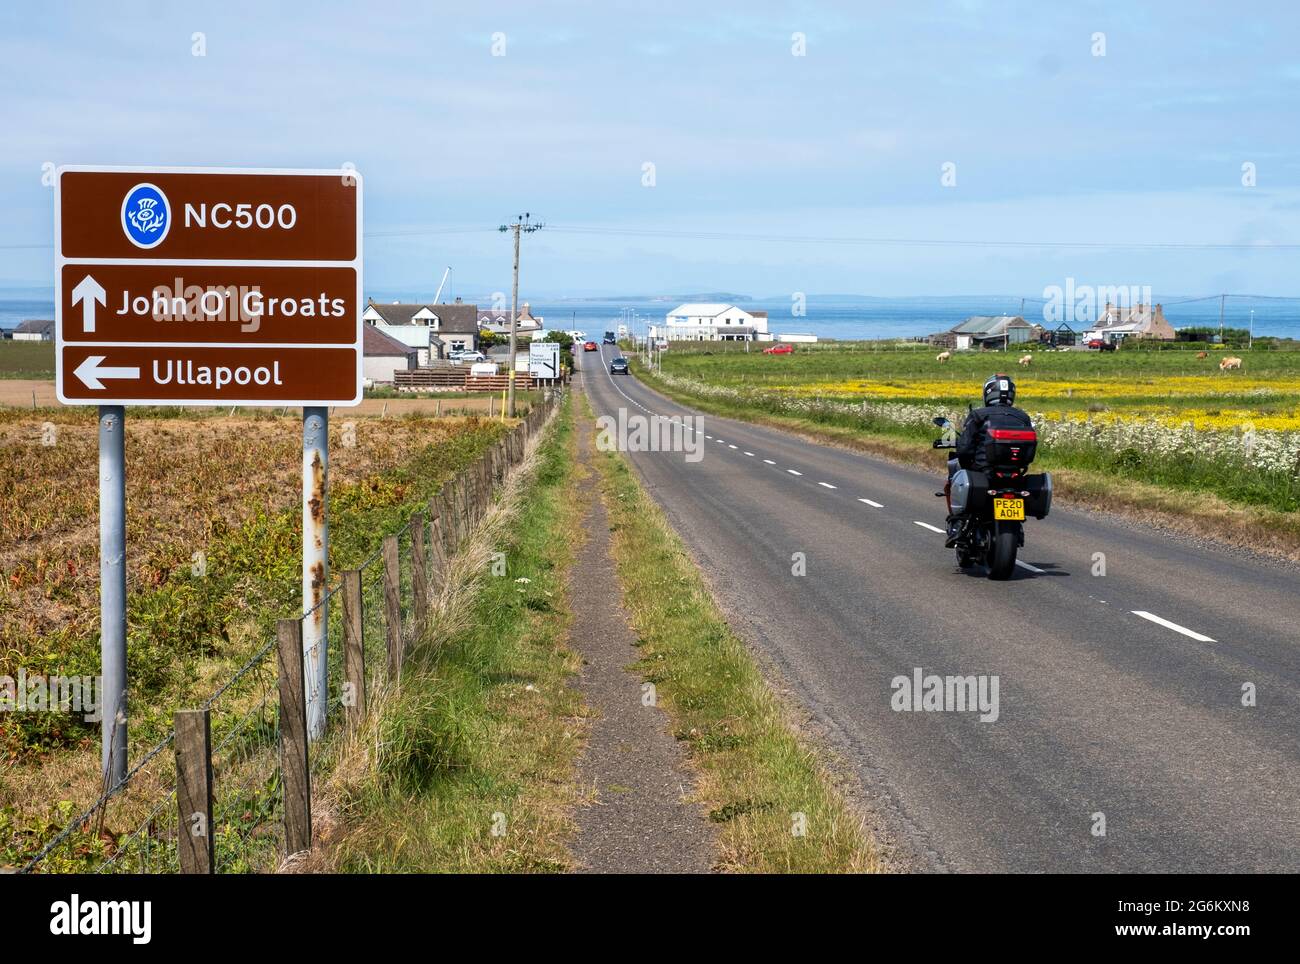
[20,392]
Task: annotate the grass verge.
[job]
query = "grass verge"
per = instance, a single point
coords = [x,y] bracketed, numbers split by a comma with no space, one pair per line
[774,802]
[1196,513]
[467,766]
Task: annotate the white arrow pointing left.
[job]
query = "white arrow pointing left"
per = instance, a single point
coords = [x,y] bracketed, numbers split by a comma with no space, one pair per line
[87,293]
[90,372]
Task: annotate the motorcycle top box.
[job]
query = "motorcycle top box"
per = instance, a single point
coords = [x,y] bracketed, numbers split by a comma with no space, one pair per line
[1011,447]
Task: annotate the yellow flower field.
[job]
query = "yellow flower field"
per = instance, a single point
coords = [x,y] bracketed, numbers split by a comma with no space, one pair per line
[920,389]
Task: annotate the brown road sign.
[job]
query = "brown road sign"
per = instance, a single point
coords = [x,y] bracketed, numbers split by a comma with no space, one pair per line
[207,303]
[210,216]
[208,286]
[155,375]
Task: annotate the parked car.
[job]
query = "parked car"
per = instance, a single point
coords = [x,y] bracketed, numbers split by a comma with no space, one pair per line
[618,366]
[483,368]
[466,357]
[591,346]
[1100,344]
[779,350]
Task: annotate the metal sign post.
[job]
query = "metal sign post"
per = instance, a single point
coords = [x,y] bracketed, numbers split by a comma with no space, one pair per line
[207,286]
[112,592]
[315,565]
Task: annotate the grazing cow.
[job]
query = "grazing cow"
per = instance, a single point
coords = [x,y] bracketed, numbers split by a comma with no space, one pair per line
[1202,354]
[943,356]
[1231,361]
[1026,359]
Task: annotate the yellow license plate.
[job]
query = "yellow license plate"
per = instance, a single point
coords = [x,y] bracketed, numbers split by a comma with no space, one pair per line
[1009,510]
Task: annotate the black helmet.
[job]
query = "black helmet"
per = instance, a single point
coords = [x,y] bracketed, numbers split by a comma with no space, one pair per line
[1000,390]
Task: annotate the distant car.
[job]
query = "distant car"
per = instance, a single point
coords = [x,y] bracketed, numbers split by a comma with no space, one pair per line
[591,346]
[618,366]
[779,350]
[1100,344]
[610,339]
[466,357]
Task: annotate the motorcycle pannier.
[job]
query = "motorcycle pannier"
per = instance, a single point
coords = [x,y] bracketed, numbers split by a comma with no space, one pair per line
[1010,447]
[1039,501]
[970,491]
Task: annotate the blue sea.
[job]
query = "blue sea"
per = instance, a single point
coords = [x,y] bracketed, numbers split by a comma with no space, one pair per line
[853,318]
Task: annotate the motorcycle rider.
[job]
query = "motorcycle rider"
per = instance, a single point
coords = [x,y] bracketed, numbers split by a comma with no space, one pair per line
[998,411]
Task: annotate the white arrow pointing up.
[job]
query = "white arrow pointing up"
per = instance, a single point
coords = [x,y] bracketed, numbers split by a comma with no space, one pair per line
[90,372]
[87,293]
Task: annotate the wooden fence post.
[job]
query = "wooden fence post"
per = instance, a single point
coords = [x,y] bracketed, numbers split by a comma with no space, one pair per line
[462,508]
[194,841]
[294,771]
[393,605]
[354,649]
[419,571]
[438,545]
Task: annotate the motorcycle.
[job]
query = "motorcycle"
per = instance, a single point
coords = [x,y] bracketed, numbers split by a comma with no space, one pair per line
[992,506]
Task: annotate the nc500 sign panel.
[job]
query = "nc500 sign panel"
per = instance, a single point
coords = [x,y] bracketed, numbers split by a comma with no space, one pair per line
[208,287]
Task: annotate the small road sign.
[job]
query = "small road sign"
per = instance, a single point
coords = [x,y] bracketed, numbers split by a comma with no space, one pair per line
[201,286]
[544,359]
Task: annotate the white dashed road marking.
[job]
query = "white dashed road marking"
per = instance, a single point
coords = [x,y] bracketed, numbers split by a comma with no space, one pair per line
[1025,565]
[1174,626]
[826,485]
[926,525]
[750,454]
[793,472]
[874,505]
[769,461]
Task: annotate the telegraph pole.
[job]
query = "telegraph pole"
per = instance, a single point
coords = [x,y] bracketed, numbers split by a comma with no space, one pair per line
[522,224]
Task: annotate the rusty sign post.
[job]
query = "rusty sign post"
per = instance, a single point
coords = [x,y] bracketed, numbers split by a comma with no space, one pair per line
[207,286]
[315,565]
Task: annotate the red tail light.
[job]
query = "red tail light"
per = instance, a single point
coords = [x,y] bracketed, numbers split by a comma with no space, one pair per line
[1013,435]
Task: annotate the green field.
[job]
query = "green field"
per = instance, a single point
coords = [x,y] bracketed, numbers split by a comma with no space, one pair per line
[26,359]
[1174,383]
[1164,417]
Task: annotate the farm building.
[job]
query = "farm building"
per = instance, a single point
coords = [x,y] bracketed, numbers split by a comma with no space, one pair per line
[433,330]
[1139,321]
[384,355]
[984,331]
[34,329]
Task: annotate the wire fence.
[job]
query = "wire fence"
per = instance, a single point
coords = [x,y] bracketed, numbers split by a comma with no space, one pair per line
[229,789]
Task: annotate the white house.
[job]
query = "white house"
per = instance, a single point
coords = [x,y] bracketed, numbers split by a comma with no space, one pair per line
[34,330]
[1138,321]
[527,325]
[712,322]
[434,331]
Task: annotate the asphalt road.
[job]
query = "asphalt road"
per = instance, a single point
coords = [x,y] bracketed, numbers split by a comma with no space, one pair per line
[1118,694]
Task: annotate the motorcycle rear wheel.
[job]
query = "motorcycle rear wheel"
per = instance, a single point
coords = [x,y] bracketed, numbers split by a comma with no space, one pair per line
[1002,554]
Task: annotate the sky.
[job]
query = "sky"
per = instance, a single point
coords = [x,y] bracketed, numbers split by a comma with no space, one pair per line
[681,147]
